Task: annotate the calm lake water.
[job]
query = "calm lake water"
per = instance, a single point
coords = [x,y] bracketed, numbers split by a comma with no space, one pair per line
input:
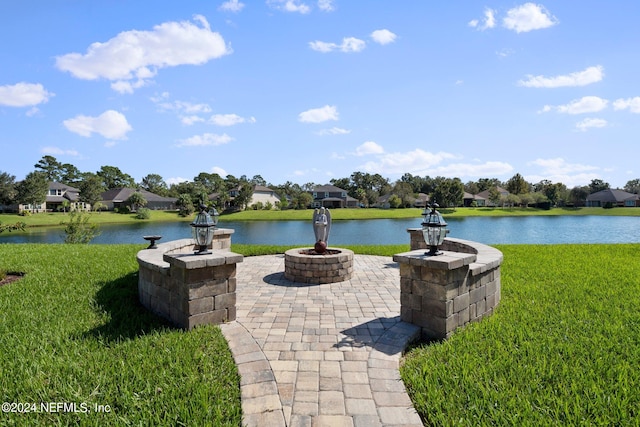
[505,230]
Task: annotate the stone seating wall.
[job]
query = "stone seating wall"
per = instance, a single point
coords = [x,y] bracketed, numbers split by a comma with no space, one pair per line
[445,292]
[187,289]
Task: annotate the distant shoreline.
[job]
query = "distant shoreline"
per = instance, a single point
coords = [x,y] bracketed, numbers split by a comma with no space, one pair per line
[58,219]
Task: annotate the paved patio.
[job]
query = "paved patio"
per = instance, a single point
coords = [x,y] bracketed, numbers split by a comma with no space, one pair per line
[320,355]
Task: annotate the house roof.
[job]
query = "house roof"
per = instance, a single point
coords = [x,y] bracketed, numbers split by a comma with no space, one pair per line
[384,199]
[122,194]
[485,194]
[60,186]
[70,193]
[261,189]
[329,189]
[609,195]
[472,196]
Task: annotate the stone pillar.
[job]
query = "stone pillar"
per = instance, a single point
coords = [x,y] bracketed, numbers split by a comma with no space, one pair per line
[202,288]
[444,292]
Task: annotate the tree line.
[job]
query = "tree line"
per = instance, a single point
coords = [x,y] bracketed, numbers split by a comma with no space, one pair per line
[366,188]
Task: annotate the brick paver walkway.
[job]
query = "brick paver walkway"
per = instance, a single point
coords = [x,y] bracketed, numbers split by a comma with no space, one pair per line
[320,355]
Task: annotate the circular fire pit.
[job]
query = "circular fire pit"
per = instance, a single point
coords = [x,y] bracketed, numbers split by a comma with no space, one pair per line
[307,266]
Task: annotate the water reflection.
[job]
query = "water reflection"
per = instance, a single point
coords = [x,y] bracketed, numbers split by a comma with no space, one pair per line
[505,230]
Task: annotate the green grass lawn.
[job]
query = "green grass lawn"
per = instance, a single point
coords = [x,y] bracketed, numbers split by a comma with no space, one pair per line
[54,219]
[72,331]
[562,348]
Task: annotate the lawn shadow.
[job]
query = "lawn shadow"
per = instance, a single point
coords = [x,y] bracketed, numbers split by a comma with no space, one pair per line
[128,319]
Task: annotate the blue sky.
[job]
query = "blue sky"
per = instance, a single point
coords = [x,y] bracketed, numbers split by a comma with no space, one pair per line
[307,90]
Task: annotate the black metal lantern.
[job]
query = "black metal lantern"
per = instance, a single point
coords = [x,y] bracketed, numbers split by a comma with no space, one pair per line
[203,227]
[433,229]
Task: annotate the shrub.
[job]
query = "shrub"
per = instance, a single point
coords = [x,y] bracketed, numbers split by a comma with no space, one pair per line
[186,210]
[143,213]
[394,201]
[78,229]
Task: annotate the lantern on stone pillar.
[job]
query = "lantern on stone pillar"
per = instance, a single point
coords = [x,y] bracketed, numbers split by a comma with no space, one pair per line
[433,229]
[203,228]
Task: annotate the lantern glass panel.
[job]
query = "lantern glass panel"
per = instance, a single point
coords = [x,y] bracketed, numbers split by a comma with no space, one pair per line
[202,229]
[434,229]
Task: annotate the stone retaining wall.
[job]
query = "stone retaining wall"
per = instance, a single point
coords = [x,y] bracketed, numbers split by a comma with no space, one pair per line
[444,292]
[188,289]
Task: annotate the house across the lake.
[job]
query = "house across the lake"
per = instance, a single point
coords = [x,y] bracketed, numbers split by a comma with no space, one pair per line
[612,198]
[264,195]
[330,196]
[260,195]
[117,197]
[482,198]
[60,197]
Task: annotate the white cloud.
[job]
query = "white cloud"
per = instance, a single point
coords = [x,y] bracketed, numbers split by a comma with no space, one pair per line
[462,170]
[348,45]
[369,147]
[558,165]
[558,170]
[191,120]
[230,119]
[383,36]
[59,151]
[352,44]
[326,5]
[488,22]
[191,108]
[588,123]
[176,180]
[290,6]
[586,104]
[186,111]
[580,78]
[323,47]
[231,6]
[23,94]
[132,58]
[110,124]
[206,139]
[217,169]
[319,115]
[334,131]
[633,104]
[416,161]
[422,162]
[528,17]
